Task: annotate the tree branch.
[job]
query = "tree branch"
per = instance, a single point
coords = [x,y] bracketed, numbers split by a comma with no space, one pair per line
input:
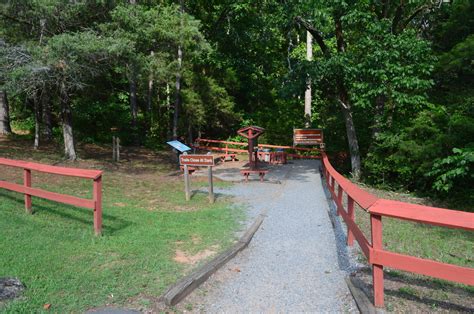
[398,16]
[385,7]
[316,34]
[18,20]
[341,47]
[413,15]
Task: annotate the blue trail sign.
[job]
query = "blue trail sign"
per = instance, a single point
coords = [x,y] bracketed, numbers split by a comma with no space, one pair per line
[179,146]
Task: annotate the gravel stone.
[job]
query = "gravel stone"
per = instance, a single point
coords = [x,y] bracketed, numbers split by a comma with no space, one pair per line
[296,261]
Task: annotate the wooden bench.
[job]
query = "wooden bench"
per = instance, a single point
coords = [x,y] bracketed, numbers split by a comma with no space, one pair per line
[224,157]
[247,172]
[278,158]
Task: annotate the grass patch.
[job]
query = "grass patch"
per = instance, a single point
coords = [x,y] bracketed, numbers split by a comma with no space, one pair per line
[447,245]
[452,246]
[145,219]
[408,292]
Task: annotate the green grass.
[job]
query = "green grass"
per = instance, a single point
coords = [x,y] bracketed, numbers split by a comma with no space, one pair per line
[451,246]
[445,245]
[55,254]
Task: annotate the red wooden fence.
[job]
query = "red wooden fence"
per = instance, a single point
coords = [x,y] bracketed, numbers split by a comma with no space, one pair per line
[202,143]
[95,203]
[374,251]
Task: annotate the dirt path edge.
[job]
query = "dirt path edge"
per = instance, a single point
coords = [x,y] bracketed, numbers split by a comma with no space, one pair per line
[186,285]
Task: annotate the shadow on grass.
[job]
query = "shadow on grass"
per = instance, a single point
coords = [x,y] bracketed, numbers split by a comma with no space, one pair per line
[417,282]
[116,224]
[399,277]
[432,283]
[429,301]
[205,193]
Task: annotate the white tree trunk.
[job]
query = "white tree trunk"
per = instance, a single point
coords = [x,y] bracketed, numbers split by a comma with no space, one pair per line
[177,102]
[37,113]
[178,99]
[69,150]
[66,117]
[4,114]
[307,94]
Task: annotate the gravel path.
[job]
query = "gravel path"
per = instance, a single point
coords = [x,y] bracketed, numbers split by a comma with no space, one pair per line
[293,263]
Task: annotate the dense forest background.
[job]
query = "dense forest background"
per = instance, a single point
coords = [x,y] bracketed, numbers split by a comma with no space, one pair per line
[392,81]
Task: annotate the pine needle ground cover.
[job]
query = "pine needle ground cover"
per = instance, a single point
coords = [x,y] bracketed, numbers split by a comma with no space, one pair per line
[145,223]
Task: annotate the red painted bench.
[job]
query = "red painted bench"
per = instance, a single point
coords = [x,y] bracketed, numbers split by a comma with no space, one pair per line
[246,172]
[95,203]
[225,157]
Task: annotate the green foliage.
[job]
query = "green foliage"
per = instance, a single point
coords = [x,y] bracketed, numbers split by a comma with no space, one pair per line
[406,67]
[455,170]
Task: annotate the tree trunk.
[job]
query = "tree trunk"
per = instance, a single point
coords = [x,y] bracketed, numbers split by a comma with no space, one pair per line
[177,102]
[37,114]
[351,134]
[190,133]
[346,107]
[66,119]
[352,139]
[133,95]
[307,94]
[4,114]
[150,89]
[47,118]
[378,116]
[150,94]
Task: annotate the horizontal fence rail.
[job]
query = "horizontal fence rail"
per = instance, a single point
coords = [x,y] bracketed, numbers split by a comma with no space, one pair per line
[203,144]
[95,203]
[374,251]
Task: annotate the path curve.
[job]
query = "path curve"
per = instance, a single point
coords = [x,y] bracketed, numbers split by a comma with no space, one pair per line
[292,264]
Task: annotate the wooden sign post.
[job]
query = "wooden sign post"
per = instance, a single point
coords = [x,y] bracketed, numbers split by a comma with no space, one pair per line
[186,160]
[211,185]
[308,137]
[187,186]
[115,145]
[116,148]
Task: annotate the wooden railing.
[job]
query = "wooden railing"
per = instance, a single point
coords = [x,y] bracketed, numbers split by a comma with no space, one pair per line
[374,251]
[206,144]
[95,203]
[202,143]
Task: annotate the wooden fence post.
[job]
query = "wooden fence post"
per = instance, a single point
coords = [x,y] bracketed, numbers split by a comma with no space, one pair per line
[377,270]
[97,195]
[114,149]
[351,214]
[27,183]
[339,200]
[118,149]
